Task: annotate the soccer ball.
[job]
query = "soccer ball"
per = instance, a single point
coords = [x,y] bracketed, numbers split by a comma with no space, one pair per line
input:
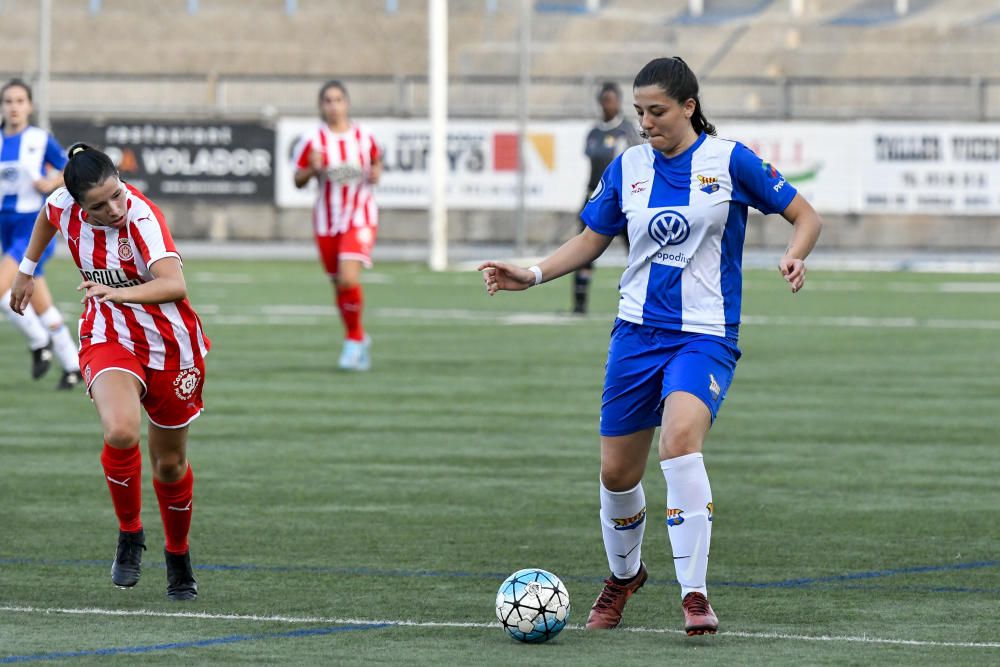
[533,605]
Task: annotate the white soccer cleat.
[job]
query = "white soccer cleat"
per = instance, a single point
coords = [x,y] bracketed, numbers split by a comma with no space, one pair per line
[355,356]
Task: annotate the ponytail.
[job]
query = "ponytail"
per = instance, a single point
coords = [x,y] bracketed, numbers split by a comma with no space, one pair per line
[87,168]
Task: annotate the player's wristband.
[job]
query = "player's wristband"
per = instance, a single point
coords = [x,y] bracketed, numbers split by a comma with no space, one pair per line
[538,274]
[27,267]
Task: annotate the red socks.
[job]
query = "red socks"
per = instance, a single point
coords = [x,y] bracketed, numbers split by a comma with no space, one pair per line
[350,302]
[175,510]
[123,473]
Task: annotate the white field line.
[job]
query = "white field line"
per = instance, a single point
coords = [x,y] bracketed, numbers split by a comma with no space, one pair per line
[290,315]
[94,611]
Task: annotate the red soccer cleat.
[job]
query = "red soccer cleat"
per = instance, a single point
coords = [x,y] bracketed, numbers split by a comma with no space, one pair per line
[607,610]
[699,619]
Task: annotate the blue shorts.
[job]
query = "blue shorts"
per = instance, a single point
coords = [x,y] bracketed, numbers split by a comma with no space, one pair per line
[646,364]
[15,233]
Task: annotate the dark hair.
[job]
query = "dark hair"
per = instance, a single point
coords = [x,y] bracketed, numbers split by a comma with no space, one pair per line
[87,168]
[332,83]
[14,83]
[679,83]
[609,87]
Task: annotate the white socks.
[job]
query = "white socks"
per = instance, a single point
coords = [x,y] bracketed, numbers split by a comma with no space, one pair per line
[623,520]
[689,519]
[28,324]
[62,341]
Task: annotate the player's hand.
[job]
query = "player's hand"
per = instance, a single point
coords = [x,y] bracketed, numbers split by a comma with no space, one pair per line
[21,291]
[102,293]
[794,272]
[317,161]
[502,276]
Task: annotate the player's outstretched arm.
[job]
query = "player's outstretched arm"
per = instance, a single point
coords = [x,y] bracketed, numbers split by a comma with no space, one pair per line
[24,284]
[579,251]
[807,225]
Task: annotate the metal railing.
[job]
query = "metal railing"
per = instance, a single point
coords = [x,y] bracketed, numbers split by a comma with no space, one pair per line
[255,96]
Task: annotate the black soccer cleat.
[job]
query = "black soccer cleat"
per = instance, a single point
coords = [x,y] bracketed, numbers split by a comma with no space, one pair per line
[181,584]
[41,359]
[70,380]
[127,568]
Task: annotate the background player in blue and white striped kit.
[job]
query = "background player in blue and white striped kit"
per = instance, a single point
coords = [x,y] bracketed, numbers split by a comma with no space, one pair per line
[31,163]
[683,198]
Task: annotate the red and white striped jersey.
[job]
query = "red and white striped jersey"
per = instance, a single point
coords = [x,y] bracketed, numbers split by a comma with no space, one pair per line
[165,336]
[345,196]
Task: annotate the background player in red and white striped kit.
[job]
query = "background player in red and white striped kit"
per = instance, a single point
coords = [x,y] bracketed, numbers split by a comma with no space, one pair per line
[346,162]
[141,346]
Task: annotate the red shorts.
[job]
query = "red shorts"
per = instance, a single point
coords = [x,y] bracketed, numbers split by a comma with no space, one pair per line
[172,399]
[356,243]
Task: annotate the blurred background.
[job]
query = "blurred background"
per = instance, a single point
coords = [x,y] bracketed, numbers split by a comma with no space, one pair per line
[884,113]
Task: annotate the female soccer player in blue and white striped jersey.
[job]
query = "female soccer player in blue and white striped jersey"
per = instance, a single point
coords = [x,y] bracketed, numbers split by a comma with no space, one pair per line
[31,163]
[683,199]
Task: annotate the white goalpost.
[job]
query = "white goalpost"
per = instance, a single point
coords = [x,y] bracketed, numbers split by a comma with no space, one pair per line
[438,164]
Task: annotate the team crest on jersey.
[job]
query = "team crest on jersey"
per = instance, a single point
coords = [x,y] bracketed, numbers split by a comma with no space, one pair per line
[632,522]
[674,517]
[597,191]
[713,386]
[186,383]
[125,249]
[669,228]
[711,510]
[709,184]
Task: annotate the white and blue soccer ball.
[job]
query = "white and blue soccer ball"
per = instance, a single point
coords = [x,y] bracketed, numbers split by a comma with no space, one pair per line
[533,605]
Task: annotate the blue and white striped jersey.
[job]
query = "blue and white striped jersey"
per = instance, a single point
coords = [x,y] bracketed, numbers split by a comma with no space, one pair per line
[686,219]
[23,157]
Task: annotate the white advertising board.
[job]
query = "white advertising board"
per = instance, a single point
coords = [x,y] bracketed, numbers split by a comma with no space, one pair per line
[860,167]
[482,164]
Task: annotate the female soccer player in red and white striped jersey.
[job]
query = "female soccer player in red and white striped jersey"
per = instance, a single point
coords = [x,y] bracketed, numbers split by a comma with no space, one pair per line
[141,347]
[346,162]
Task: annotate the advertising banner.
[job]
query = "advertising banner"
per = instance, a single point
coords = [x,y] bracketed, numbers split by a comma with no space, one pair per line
[482,164]
[210,160]
[817,158]
[929,168]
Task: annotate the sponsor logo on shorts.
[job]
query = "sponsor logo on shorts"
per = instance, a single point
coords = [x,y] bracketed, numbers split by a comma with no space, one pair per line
[186,383]
[632,522]
[86,374]
[124,249]
[674,517]
[711,510]
[713,386]
[364,235]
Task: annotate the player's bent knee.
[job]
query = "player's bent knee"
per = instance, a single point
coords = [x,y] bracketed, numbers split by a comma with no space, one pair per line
[169,468]
[121,436]
[620,478]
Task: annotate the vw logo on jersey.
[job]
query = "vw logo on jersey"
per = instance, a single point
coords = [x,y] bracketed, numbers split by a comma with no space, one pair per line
[669,228]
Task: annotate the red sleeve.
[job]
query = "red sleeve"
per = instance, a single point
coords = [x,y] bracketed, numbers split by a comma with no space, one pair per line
[376,154]
[301,155]
[53,215]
